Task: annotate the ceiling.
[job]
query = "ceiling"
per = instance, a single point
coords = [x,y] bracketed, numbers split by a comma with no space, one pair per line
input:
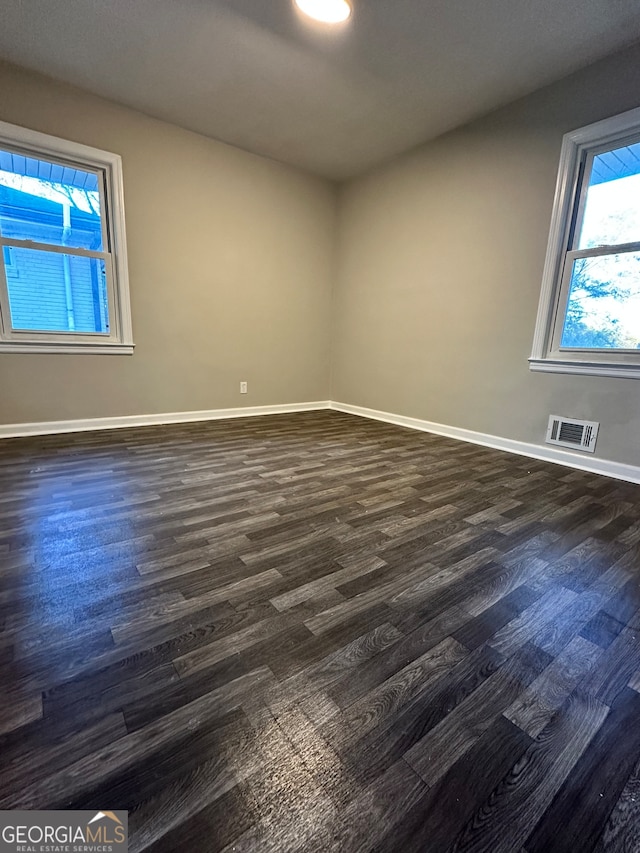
[337,102]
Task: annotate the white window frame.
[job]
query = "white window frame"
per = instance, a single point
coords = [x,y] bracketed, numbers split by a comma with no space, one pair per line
[108,166]
[578,149]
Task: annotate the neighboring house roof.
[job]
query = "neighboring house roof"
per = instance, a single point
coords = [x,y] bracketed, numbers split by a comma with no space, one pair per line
[16,203]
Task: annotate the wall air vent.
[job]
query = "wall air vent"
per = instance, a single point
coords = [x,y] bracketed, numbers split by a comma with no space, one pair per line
[568,432]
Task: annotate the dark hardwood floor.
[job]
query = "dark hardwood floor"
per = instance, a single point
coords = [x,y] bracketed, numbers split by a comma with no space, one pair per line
[320,633]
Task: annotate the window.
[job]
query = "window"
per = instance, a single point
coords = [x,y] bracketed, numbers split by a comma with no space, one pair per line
[589,313]
[63,266]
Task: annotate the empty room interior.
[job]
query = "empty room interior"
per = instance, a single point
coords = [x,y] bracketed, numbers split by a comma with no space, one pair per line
[320,425]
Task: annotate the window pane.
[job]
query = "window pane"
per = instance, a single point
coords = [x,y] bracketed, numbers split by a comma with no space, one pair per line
[612,209]
[49,203]
[53,292]
[603,310]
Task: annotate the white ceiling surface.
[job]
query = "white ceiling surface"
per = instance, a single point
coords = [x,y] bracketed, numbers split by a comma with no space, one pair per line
[336,102]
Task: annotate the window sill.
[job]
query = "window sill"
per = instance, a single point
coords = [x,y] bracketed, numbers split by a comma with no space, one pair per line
[50,348]
[585,368]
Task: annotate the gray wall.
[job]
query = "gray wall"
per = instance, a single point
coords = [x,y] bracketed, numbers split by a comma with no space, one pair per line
[440,266]
[435,263]
[231,264]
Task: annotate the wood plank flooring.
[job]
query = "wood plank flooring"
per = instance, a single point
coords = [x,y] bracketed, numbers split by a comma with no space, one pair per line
[314,632]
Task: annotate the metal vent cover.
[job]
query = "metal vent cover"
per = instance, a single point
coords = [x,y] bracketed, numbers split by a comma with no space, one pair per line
[569,432]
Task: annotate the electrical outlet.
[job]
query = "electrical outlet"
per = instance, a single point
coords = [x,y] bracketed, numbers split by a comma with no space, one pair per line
[243,387]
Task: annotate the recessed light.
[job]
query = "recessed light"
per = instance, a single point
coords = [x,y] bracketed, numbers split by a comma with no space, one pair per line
[327,11]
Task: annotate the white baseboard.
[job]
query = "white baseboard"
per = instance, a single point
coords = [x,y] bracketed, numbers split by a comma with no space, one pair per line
[90,424]
[594,465]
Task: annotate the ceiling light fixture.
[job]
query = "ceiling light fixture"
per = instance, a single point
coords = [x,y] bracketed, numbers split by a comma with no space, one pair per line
[327,11]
